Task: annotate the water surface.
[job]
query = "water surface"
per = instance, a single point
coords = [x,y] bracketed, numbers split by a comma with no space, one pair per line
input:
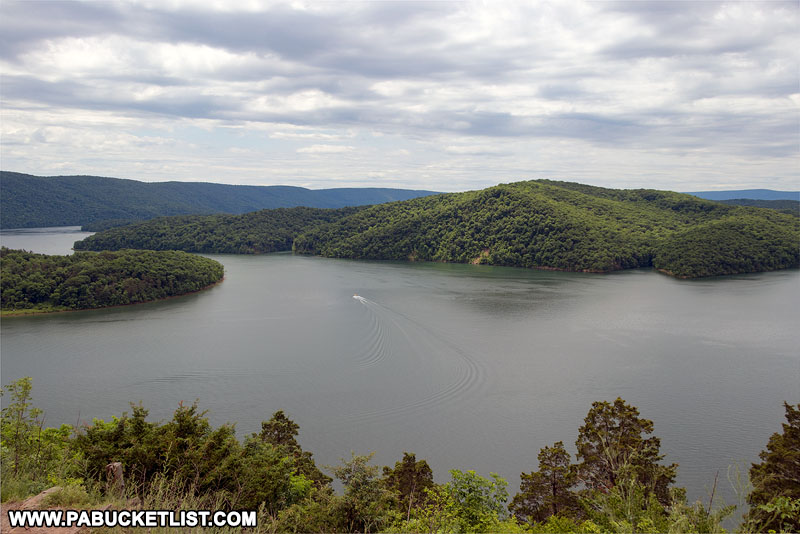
[470,367]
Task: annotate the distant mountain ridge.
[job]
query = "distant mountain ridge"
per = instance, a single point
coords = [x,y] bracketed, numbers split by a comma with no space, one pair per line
[30,201]
[754,194]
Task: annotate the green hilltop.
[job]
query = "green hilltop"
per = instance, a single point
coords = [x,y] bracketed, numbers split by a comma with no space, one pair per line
[535,224]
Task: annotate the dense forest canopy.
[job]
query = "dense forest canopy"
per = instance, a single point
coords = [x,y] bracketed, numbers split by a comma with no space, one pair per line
[31,201]
[534,224]
[38,282]
[251,233]
[791,207]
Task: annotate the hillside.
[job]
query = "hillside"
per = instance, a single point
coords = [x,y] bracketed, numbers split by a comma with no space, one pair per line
[249,233]
[567,226]
[537,224]
[791,207]
[31,201]
[38,282]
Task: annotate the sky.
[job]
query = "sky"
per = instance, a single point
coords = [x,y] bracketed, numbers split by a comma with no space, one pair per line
[445,95]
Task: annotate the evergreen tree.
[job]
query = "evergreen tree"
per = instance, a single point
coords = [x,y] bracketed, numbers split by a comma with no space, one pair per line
[611,443]
[775,498]
[280,431]
[408,480]
[548,491]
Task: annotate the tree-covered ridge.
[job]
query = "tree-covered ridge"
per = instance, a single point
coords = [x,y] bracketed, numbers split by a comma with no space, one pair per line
[535,224]
[567,226]
[31,201]
[250,233]
[792,207]
[38,282]
[618,483]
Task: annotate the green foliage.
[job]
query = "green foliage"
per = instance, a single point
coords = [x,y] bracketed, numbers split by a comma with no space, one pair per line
[611,445]
[320,513]
[792,207]
[184,463]
[197,459]
[89,280]
[548,491]
[536,224]
[30,201]
[560,225]
[31,456]
[71,495]
[628,506]
[631,507]
[366,503]
[20,427]
[775,498]
[697,517]
[408,481]
[480,503]
[269,476]
[440,514]
[280,431]
[737,244]
[468,503]
[251,233]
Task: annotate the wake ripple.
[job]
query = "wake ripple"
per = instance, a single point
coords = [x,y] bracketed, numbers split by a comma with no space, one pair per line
[469,374]
[376,349]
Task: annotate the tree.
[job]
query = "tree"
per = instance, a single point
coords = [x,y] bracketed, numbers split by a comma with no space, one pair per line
[268,476]
[31,456]
[280,431]
[366,501]
[611,444]
[775,498]
[480,502]
[21,425]
[548,491]
[408,480]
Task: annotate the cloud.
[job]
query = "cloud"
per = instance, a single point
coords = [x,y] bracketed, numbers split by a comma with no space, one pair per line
[426,88]
[325,149]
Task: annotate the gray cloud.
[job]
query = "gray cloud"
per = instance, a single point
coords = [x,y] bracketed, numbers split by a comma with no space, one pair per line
[666,77]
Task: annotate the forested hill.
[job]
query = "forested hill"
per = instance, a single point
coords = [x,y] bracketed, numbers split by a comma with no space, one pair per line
[536,224]
[567,226]
[31,201]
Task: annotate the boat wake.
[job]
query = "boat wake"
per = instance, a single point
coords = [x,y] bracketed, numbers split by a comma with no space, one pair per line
[423,347]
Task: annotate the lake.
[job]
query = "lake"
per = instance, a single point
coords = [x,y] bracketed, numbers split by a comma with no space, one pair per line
[468,366]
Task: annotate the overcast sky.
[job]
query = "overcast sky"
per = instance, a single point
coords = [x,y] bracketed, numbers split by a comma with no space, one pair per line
[440,95]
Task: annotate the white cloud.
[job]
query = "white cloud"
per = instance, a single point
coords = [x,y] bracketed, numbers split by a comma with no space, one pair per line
[325,149]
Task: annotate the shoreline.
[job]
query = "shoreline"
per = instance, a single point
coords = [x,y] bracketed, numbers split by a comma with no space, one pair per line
[33,311]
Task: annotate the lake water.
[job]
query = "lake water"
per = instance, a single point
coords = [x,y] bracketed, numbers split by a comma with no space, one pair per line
[470,367]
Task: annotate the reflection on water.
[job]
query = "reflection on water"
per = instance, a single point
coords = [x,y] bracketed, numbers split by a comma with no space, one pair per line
[470,367]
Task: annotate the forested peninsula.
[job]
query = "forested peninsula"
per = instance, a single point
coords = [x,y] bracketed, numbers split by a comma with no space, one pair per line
[34,283]
[535,224]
